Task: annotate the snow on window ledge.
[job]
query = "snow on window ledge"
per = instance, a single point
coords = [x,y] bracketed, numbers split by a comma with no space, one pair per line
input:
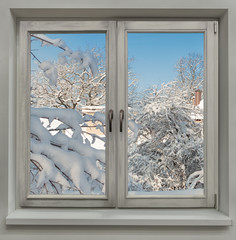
[119,217]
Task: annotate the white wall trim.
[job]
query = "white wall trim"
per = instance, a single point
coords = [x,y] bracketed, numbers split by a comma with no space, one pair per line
[119,217]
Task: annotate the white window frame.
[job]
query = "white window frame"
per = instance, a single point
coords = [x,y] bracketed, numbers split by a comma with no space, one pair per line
[24,199]
[209,28]
[117,141]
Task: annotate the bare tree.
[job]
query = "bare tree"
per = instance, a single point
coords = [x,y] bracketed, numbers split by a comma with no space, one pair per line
[190,73]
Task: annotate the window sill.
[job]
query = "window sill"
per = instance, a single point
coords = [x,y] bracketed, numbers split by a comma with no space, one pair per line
[119,217]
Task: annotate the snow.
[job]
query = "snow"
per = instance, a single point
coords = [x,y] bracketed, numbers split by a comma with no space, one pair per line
[48,172]
[38,130]
[49,71]
[79,147]
[96,143]
[134,128]
[68,116]
[77,57]
[46,41]
[201,104]
[62,57]
[88,60]
[89,108]
[100,117]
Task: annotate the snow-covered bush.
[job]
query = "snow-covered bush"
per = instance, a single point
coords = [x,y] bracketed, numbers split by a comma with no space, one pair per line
[168,147]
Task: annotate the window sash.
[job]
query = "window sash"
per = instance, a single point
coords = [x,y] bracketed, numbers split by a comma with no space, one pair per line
[23,114]
[210,114]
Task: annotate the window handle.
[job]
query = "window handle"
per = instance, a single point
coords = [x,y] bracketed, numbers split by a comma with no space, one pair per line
[110,117]
[122,113]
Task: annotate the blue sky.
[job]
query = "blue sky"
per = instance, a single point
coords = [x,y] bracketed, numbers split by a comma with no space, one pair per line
[154,54]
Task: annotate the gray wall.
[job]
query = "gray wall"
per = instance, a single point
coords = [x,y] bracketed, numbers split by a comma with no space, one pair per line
[225,10]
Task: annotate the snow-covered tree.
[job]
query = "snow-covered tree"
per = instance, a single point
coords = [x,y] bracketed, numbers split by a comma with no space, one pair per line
[74,88]
[77,79]
[65,158]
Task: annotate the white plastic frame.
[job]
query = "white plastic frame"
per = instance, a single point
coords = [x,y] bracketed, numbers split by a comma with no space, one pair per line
[117,94]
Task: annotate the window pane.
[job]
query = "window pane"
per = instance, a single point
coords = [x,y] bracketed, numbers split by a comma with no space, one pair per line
[166,113]
[68,85]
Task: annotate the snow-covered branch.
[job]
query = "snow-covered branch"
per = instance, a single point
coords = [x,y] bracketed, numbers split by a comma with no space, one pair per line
[84,60]
[65,165]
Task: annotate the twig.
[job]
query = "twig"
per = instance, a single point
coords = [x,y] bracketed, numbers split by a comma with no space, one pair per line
[37,164]
[35,56]
[53,186]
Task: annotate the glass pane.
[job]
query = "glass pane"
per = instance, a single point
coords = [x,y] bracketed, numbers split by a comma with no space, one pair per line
[68,85]
[166,113]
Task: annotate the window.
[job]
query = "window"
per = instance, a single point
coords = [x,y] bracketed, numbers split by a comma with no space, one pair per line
[91,135]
